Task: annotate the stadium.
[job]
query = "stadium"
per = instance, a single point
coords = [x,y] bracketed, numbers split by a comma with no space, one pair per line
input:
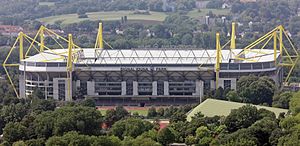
[145,76]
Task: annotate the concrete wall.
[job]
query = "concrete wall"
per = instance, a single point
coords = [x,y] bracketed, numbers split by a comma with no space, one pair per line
[135,88]
[154,88]
[90,87]
[166,88]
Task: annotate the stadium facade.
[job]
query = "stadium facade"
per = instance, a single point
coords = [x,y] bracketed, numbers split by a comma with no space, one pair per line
[140,74]
[145,75]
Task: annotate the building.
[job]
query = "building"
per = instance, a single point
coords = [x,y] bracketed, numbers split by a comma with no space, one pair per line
[208,108]
[143,76]
[10,30]
[201,4]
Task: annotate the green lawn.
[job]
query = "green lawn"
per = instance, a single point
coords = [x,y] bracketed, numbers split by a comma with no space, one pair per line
[105,16]
[154,17]
[140,112]
[203,12]
[47,4]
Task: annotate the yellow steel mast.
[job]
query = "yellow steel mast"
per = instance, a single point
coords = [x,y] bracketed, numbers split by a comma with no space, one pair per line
[70,67]
[232,41]
[42,43]
[218,59]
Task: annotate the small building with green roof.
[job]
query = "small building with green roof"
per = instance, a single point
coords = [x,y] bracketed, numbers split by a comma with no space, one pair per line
[214,107]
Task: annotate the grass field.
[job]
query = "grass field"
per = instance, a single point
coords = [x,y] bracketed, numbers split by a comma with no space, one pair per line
[47,4]
[195,13]
[139,110]
[116,15]
[105,16]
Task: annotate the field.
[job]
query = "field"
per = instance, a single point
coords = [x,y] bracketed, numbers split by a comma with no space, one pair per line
[154,17]
[105,16]
[203,12]
[46,4]
[140,110]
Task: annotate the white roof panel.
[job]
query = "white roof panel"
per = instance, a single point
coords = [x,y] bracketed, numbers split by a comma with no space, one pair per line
[152,56]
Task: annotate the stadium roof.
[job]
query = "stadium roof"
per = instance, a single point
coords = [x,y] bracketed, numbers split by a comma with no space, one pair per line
[152,56]
[213,107]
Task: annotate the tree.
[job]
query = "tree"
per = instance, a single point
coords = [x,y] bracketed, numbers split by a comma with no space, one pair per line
[19,143]
[140,141]
[107,141]
[242,117]
[56,141]
[178,116]
[165,136]
[180,130]
[85,120]
[233,96]
[14,112]
[263,129]
[150,134]
[190,140]
[132,127]
[89,102]
[114,115]
[202,132]
[152,112]
[282,100]
[187,39]
[214,4]
[256,90]
[35,142]
[295,103]
[13,132]
[37,94]
[39,105]
[219,93]
[73,138]
[82,13]
[291,130]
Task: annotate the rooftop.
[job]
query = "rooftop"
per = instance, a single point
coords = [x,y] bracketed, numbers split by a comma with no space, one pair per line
[213,107]
[153,56]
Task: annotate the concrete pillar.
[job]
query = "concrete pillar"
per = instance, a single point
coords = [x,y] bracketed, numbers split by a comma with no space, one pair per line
[201,90]
[55,88]
[166,88]
[22,86]
[123,84]
[198,86]
[221,83]
[135,88]
[67,97]
[233,83]
[78,84]
[46,88]
[154,88]
[90,87]
[46,83]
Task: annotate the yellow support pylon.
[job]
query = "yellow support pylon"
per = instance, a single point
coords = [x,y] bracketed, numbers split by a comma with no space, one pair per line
[21,37]
[42,43]
[275,46]
[232,41]
[70,67]
[218,59]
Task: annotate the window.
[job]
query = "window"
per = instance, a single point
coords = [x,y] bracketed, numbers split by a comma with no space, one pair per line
[40,64]
[227,84]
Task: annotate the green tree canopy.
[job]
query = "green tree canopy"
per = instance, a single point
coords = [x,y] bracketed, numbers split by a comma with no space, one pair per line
[132,127]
